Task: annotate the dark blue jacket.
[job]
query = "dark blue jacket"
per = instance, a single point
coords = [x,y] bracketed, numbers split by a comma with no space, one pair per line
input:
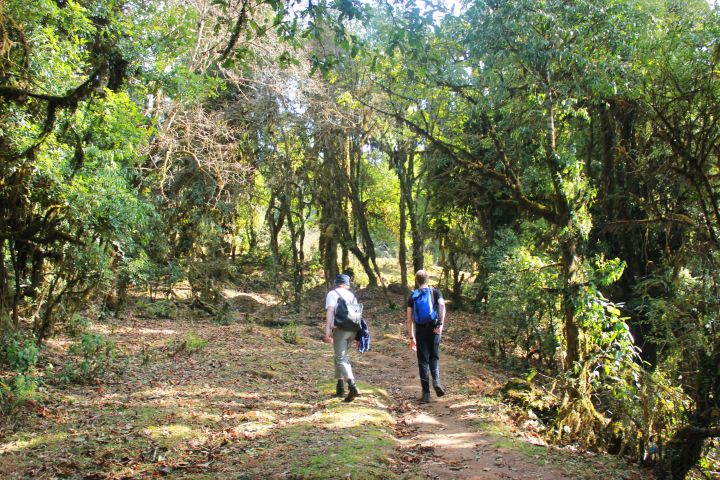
[363,336]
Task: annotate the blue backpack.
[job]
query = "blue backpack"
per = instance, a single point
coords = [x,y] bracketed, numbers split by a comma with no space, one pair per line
[423,306]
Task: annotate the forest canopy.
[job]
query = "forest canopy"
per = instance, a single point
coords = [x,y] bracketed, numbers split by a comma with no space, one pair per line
[559,162]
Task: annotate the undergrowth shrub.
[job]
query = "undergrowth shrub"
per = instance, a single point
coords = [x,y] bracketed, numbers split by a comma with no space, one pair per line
[191,343]
[90,359]
[158,308]
[609,399]
[527,317]
[77,325]
[290,333]
[19,384]
[20,353]
[224,315]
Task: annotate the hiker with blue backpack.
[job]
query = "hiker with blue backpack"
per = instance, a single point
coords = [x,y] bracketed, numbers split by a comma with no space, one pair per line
[343,325]
[425,319]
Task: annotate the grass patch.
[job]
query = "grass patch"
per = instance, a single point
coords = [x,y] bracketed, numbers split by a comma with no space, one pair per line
[290,333]
[24,442]
[358,453]
[172,434]
[191,343]
[341,440]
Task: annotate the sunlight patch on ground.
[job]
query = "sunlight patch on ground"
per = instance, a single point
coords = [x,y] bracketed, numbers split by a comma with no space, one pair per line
[261,298]
[202,417]
[426,419]
[108,329]
[253,429]
[451,440]
[289,405]
[191,391]
[24,444]
[351,417]
[171,434]
[60,344]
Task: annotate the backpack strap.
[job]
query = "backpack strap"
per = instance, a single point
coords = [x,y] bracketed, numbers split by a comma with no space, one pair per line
[337,291]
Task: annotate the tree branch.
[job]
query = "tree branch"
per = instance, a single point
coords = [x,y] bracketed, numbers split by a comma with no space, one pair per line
[237,29]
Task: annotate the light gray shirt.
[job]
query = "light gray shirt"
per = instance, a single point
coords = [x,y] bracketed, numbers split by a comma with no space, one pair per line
[333,295]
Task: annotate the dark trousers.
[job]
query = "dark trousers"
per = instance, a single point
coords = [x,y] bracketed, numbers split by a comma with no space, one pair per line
[428,354]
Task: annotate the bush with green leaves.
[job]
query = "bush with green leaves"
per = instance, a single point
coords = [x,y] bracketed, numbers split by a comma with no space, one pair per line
[224,315]
[191,343]
[77,325]
[90,359]
[158,308]
[290,333]
[16,391]
[520,300]
[21,355]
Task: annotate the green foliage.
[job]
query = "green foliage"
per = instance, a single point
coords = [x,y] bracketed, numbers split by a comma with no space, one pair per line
[17,391]
[191,343]
[91,357]
[158,308]
[290,333]
[20,354]
[523,300]
[610,369]
[224,315]
[77,325]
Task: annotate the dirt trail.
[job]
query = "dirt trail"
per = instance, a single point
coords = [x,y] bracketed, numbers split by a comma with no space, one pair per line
[194,399]
[441,436]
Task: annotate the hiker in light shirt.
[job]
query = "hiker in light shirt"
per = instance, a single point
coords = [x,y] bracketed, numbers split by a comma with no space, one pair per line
[341,339]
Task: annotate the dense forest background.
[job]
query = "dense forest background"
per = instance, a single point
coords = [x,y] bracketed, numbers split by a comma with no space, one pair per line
[559,162]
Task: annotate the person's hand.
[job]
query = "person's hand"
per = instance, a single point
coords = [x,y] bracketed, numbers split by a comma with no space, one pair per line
[413,345]
[328,338]
[438,330]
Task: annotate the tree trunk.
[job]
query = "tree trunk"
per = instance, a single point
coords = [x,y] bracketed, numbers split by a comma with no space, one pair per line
[458,280]
[346,202]
[5,323]
[445,276]
[570,293]
[297,262]
[367,259]
[399,156]
[275,225]
[685,448]
[329,234]
[402,248]
[417,239]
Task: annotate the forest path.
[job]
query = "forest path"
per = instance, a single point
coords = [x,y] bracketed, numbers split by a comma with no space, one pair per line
[445,437]
[193,399]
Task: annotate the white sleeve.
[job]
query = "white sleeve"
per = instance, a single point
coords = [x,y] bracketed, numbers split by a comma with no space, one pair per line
[331,299]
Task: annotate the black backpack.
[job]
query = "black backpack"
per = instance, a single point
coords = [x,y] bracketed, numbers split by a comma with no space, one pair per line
[348,315]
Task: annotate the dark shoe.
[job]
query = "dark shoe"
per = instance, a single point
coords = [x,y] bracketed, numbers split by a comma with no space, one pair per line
[439,390]
[352,393]
[340,389]
[425,397]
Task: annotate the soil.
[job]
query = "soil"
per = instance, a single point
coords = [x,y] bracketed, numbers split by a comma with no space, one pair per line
[443,434]
[196,399]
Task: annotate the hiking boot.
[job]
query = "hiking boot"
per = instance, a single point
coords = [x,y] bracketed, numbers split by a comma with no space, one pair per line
[439,390]
[340,389]
[425,397]
[352,393]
